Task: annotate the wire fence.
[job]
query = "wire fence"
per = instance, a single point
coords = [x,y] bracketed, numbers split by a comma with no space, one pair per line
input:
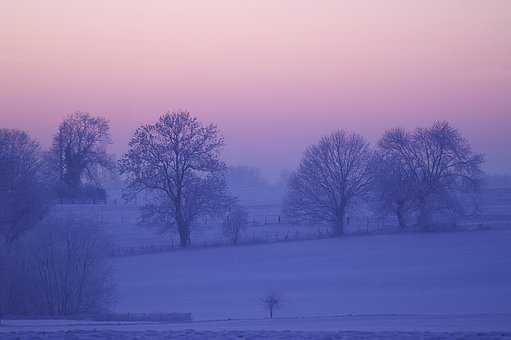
[265,225]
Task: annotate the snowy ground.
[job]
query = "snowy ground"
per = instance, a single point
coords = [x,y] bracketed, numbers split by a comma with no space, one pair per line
[381,327]
[367,323]
[437,273]
[405,286]
[279,335]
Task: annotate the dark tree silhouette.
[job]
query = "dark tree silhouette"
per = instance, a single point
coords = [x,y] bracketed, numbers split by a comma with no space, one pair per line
[435,164]
[24,198]
[272,301]
[331,175]
[79,151]
[177,160]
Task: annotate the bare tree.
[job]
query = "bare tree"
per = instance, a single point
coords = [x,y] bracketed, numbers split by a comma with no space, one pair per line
[331,175]
[177,160]
[79,151]
[235,221]
[24,197]
[436,164]
[271,302]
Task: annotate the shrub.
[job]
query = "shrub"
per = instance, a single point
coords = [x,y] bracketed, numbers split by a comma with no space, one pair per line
[61,268]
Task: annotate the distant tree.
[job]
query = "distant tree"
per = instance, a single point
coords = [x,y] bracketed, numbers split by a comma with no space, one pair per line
[24,197]
[271,302]
[78,152]
[331,175]
[235,221]
[250,187]
[177,161]
[93,194]
[436,164]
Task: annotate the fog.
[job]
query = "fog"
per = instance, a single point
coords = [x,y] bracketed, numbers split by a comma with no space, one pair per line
[170,233]
[266,170]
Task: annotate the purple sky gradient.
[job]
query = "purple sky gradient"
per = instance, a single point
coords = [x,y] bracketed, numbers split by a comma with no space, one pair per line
[274,75]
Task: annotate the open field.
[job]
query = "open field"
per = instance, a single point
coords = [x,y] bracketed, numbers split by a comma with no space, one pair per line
[437,273]
[403,286]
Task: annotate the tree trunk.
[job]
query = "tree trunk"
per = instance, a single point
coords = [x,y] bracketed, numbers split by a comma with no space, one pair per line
[182,225]
[74,177]
[235,238]
[184,235]
[425,219]
[401,217]
[339,223]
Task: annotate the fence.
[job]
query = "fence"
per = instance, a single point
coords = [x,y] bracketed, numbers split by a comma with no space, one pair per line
[265,225]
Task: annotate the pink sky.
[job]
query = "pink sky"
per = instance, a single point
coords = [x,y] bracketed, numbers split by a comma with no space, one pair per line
[273,74]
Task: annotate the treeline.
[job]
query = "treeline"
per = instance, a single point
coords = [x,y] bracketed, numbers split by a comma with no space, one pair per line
[176,163]
[420,177]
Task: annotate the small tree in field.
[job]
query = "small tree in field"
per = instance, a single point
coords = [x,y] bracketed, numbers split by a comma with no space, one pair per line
[271,302]
[177,161]
[234,223]
[331,175]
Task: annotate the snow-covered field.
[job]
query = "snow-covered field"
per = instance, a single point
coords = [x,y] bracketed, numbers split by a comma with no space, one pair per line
[401,286]
[420,273]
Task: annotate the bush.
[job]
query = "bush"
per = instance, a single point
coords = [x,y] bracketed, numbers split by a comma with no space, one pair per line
[60,268]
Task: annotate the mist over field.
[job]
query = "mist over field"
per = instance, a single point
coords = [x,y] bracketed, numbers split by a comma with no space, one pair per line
[267,170]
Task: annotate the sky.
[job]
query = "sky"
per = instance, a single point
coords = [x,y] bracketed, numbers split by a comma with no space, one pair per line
[274,75]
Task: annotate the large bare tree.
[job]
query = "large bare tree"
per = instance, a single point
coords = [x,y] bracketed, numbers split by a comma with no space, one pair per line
[24,198]
[435,164]
[177,161]
[331,175]
[79,151]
